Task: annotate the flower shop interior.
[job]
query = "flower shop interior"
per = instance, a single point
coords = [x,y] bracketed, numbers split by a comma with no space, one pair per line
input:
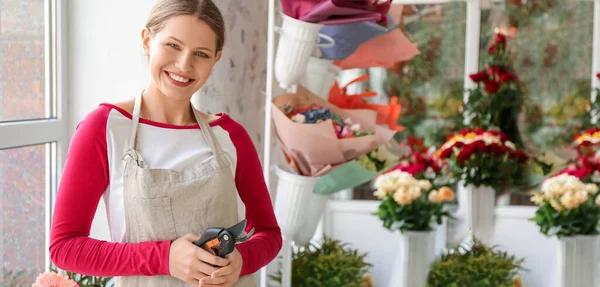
[405,143]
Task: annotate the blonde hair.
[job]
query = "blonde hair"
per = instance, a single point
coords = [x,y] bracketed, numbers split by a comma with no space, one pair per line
[203,10]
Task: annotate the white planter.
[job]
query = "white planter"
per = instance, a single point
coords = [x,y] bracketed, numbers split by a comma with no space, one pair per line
[297,41]
[577,261]
[294,195]
[477,203]
[311,215]
[412,264]
[320,76]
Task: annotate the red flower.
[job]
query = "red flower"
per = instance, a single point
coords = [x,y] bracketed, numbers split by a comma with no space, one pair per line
[500,39]
[492,49]
[496,149]
[598,75]
[520,156]
[463,132]
[480,146]
[446,153]
[479,77]
[491,86]
[478,131]
[465,153]
[413,169]
[494,70]
[507,77]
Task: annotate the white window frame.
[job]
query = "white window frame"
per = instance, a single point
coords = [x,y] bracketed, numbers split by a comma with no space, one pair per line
[22,133]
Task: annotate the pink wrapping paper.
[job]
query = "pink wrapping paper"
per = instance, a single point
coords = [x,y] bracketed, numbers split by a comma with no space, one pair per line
[382,51]
[314,149]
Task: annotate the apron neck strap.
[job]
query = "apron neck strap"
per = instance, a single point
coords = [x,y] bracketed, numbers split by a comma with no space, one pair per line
[135,119]
[204,127]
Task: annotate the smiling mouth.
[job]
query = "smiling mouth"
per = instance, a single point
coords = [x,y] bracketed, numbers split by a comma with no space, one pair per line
[178,79]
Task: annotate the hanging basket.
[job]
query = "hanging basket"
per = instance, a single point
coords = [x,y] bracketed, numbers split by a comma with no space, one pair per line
[297,41]
[294,195]
[320,76]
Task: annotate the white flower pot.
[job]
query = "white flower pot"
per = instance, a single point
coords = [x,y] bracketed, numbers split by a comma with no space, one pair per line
[477,204]
[577,261]
[294,195]
[297,41]
[311,216]
[416,254]
[320,76]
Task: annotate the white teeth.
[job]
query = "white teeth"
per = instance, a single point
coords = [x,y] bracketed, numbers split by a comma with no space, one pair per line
[178,78]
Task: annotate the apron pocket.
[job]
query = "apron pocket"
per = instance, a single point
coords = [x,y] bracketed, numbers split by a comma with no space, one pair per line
[154,219]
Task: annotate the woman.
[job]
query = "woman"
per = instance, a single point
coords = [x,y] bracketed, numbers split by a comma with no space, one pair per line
[165,170]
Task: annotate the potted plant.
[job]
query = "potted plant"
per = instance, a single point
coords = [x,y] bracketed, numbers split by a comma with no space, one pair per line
[476,265]
[482,161]
[332,264]
[570,209]
[412,207]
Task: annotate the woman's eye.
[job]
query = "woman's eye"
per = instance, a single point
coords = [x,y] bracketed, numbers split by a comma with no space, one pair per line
[173,46]
[201,54]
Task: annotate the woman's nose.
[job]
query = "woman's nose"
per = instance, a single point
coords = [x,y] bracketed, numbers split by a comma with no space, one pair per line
[184,63]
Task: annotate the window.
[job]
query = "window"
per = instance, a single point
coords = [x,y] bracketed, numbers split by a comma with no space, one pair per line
[33,134]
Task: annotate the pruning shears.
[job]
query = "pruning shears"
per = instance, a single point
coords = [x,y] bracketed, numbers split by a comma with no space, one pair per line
[222,240]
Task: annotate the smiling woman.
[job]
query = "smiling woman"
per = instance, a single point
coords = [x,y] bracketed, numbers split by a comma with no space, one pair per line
[166,171]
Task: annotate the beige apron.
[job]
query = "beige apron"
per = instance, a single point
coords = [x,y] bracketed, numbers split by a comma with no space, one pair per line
[163,204]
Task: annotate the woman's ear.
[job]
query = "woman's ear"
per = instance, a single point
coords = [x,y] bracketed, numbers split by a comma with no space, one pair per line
[218,56]
[146,41]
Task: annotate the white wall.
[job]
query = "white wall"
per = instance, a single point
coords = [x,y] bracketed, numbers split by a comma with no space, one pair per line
[106,63]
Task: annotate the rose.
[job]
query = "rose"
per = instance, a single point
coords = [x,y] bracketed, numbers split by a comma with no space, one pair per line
[479,77]
[491,86]
[494,70]
[492,49]
[500,39]
[507,77]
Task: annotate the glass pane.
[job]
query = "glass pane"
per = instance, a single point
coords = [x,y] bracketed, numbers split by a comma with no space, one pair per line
[22,60]
[22,214]
[551,53]
[429,86]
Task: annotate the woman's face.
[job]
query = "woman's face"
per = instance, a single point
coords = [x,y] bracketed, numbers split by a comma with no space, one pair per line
[181,56]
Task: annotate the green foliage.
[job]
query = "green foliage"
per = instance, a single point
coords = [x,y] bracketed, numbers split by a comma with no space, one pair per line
[582,220]
[477,266]
[485,169]
[420,215]
[88,281]
[332,264]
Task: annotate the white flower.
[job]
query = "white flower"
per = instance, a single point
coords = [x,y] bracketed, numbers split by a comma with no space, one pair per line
[424,184]
[299,118]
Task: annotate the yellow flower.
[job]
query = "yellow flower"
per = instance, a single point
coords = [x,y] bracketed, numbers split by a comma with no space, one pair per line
[538,198]
[447,193]
[402,198]
[435,196]
[554,203]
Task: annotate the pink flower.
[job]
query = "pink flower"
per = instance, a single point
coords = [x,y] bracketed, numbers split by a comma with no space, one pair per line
[52,279]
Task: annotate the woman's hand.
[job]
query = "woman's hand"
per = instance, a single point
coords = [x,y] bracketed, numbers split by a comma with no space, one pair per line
[190,263]
[225,276]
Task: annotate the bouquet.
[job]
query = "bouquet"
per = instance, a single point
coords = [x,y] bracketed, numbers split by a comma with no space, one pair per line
[422,162]
[314,114]
[497,99]
[409,204]
[586,143]
[318,137]
[482,157]
[567,206]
